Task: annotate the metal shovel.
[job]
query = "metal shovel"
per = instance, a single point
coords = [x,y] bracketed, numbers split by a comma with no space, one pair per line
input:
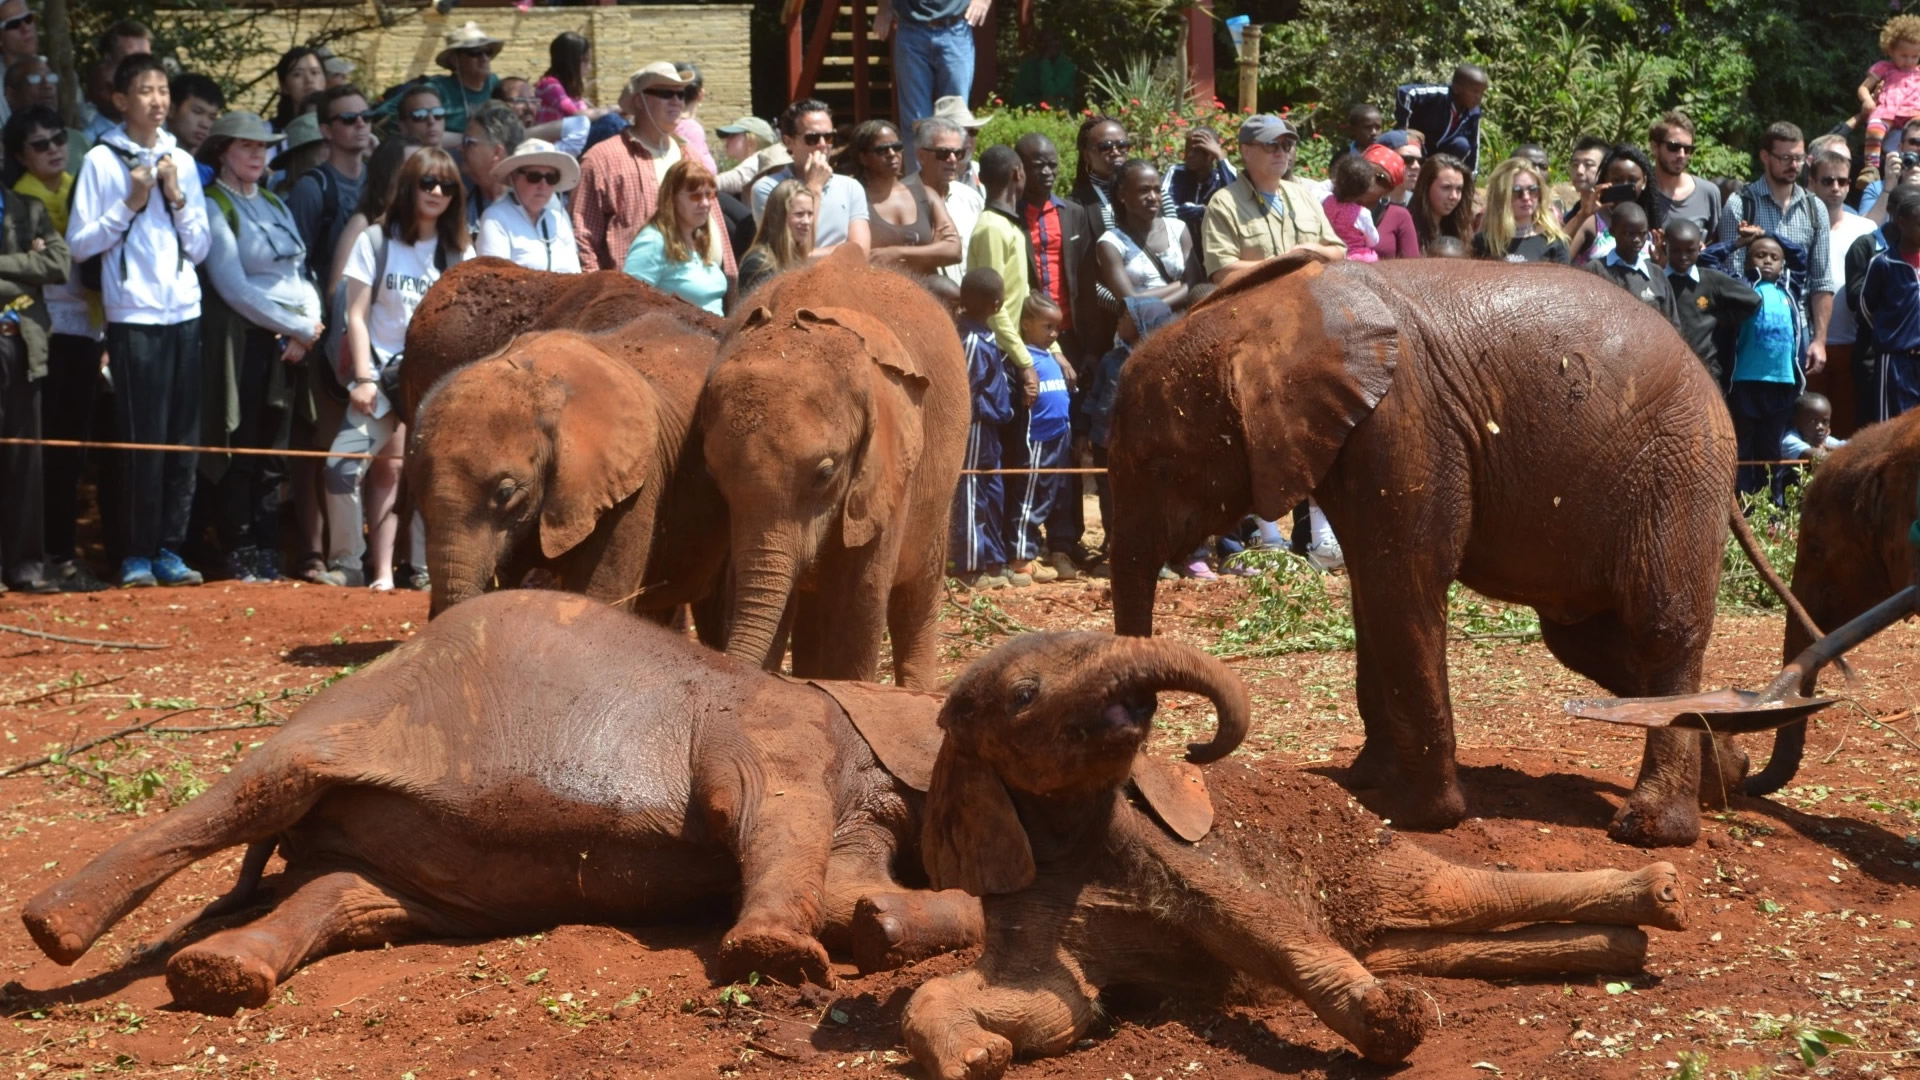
[1732,712]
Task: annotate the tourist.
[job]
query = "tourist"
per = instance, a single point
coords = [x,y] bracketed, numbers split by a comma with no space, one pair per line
[300,73]
[682,250]
[806,127]
[941,146]
[785,239]
[530,225]
[620,177]
[910,234]
[1260,215]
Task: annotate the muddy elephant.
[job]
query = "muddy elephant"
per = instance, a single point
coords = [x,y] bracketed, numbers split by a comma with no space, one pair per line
[1088,884]
[1854,551]
[479,305]
[535,757]
[836,420]
[1531,432]
[576,455]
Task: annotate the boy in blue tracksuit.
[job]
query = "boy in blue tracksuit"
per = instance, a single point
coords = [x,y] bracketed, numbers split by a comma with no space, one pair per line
[1766,367]
[1890,305]
[1042,439]
[973,540]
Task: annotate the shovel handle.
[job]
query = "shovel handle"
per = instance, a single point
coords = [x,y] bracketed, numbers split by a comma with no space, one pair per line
[1827,649]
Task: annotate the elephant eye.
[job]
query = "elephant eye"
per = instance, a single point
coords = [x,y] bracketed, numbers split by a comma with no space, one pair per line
[823,472]
[503,494]
[1024,692]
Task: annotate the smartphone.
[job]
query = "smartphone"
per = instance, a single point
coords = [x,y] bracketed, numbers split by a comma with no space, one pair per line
[1616,193]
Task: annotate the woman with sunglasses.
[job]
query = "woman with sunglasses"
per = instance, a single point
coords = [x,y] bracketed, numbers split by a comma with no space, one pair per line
[785,239]
[1625,176]
[421,234]
[530,226]
[905,233]
[1104,147]
[1519,226]
[680,250]
[260,315]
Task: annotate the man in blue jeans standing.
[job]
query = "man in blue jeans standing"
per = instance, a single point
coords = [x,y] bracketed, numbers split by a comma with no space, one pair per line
[932,55]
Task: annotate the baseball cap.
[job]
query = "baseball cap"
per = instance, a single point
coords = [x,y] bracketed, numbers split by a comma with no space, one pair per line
[1265,127]
[749,125]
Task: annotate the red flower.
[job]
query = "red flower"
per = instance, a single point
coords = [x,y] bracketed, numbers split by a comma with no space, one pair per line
[1134,101]
[1044,107]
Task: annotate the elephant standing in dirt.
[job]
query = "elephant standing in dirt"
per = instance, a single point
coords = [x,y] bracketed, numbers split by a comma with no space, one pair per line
[835,423]
[1532,432]
[574,454]
[481,304]
[1088,885]
[1855,550]
[531,758]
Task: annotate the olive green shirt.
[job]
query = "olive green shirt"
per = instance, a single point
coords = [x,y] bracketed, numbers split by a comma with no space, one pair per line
[1239,219]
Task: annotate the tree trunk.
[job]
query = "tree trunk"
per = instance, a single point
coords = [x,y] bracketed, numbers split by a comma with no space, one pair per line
[60,56]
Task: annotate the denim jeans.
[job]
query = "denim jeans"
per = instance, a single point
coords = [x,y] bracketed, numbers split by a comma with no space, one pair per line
[928,63]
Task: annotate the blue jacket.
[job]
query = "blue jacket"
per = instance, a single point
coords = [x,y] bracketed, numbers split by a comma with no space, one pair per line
[986,375]
[1428,108]
[1890,301]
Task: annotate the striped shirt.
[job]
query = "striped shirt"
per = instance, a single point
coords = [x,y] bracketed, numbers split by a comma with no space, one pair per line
[1804,221]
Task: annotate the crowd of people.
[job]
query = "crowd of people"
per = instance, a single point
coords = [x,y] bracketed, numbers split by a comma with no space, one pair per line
[180,273]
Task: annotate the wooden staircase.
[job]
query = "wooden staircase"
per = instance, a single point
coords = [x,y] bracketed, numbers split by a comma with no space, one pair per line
[833,55]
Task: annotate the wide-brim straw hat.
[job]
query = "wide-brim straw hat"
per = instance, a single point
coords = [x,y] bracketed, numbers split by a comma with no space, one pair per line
[954,107]
[534,152]
[658,73]
[302,130]
[469,36]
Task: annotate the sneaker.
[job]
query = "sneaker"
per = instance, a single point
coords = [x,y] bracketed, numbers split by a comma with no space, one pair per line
[74,577]
[1167,573]
[36,587]
[1326,557]
[1100,571]
[266,566]
[137,573]
[339,577]
[1061,563]
[982,580]
[241,565]
[1019,578]
[1041,571]
[168,569]
[1199,571]
[418,581]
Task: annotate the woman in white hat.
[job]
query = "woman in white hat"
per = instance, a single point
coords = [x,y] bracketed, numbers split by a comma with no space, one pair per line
[529,226]
[263,314]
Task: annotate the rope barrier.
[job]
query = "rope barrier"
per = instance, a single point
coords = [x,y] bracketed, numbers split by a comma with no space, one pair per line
[77,444]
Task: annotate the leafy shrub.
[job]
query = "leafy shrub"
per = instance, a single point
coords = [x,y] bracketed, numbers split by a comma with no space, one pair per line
[1778,530]
[1289,609]
[1006,124]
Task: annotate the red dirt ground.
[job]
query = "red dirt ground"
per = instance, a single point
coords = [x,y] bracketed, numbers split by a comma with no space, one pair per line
[1802,908]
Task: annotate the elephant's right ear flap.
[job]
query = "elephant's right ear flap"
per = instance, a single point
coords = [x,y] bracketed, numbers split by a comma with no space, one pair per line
[1331,348]
[604,435]
[973,839]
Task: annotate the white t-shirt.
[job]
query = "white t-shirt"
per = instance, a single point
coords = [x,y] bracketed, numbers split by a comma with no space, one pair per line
[409,274]
[546,244]
[1841,329]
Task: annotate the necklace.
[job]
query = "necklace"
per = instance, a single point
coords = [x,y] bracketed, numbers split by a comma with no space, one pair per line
[230,189]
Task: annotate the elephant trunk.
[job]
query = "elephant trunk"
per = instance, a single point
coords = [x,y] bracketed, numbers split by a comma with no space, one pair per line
[453,582]
[1156,664]
[763,583]
[1789,743]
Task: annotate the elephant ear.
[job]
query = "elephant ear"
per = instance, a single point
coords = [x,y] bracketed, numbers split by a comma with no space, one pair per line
[604,440]
[1318,349]
[1177,792]
[972,838]
[1262,272]
[891,450]
[902,726]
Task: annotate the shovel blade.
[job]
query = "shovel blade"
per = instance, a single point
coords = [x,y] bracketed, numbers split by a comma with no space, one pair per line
[1726,712]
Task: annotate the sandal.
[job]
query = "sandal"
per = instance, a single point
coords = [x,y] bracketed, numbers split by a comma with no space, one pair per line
[380,585]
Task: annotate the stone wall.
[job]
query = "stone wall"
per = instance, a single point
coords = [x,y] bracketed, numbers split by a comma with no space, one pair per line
[714,36]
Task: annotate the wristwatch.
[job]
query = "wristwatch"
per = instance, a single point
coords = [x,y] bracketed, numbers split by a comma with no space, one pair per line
[356,382]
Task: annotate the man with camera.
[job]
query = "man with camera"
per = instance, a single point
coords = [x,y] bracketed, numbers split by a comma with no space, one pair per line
[1776,205]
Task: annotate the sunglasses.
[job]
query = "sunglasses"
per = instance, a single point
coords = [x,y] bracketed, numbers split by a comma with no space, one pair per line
[668,95]
[438,112]
[944,153]
[17,22]
[1841,181]
[1531,191]
[362,117]
[41,146]
[474,53]
[817,138]
[1678,147]
[1277,146]
[440,184]
[48,79]
[549,177]
[886,148]
[1108,146]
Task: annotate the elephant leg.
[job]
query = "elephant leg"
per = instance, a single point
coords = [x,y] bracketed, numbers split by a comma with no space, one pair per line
[1401,659]
[913,621]
[886,924]
[333,912]
[805,613]
[1548,949]
[967,1026]
[1664,807]
[783,853]
[267,794]
[710,617]
[852,603]
[1421,891]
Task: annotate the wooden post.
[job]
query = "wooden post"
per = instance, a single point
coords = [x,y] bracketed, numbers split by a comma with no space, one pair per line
[60,59]
[1250,68]
[986,57]
[796,53]
[1200,51]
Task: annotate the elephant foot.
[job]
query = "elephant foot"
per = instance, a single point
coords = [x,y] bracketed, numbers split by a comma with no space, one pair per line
[1656,897]
[778,952]
[944,1035]
[1372,767]
[1648,821]
[1723,771]
[894,929]
[1426,808]
[62,930]
[219,983]
[1394,1020]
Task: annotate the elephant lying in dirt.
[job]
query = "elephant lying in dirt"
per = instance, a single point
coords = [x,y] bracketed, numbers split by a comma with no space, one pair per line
[1532,432]
[578,455]
[1853,552]
[479,305]
[1085,887]
[535,757]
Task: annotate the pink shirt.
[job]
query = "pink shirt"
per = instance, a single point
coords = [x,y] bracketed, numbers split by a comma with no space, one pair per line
[1399,239]
[1899,97]
[1345,218]
[694,138]
[555,102]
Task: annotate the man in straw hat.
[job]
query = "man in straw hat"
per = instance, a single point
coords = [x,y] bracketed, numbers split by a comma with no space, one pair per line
[529,225]
[620,176]
[468,55]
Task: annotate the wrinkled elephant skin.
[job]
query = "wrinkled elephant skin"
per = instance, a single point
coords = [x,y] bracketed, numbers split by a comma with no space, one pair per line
[536,757]
[1533,432]
[836,420]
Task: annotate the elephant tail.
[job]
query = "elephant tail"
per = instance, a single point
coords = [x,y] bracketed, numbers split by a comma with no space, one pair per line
[1744,534]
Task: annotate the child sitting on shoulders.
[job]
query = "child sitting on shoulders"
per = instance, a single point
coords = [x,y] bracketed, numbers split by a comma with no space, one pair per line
[1890,94]
[1041,436]
[1357,184]
[1810,438]
[973,535]
[1766,366]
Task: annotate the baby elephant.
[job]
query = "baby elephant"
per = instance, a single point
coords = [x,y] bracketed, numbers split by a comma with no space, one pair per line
[1086,887]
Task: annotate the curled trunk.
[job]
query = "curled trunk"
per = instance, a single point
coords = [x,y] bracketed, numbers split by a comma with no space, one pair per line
[1156,664]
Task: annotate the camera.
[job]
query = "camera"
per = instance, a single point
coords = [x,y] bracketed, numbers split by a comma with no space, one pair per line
[1908,159]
